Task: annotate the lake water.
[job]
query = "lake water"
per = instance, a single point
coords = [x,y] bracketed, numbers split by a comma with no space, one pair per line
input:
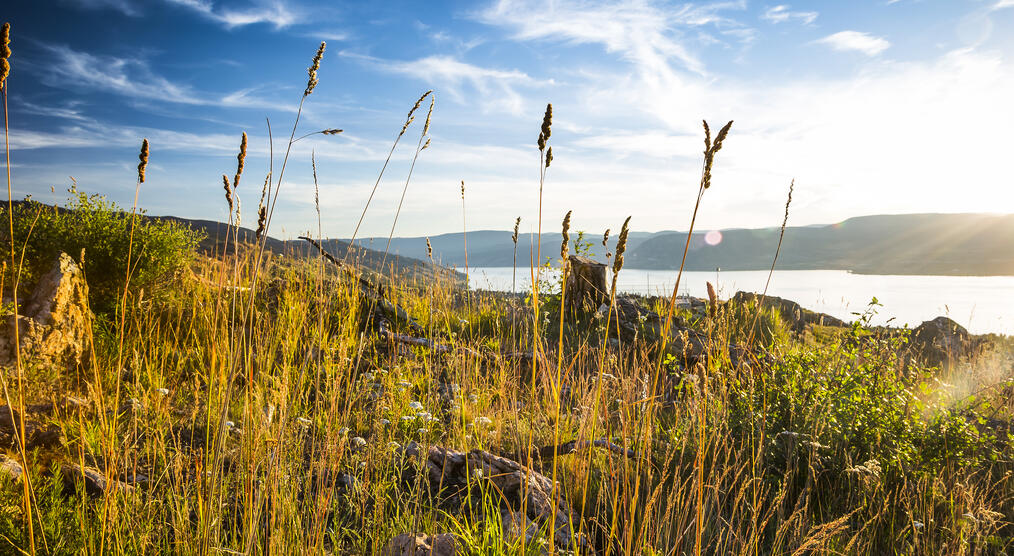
[980,303]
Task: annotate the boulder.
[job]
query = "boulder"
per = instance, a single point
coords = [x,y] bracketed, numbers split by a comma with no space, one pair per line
[52,324]
[95,483]
[37,435]
[791,312]
[941,342]
[451,474]
[10,468]
[407,544]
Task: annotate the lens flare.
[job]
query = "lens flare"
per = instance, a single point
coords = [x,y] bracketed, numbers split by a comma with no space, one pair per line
[714,237]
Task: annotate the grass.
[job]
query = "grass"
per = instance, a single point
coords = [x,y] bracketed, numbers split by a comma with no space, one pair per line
[269,416]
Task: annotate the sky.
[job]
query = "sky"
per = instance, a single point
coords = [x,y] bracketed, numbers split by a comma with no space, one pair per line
[873,107]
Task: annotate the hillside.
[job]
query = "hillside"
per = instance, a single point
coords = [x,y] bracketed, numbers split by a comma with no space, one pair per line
[944,244]
[215,234]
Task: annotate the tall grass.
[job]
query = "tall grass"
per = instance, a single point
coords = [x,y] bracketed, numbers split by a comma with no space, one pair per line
[271,413]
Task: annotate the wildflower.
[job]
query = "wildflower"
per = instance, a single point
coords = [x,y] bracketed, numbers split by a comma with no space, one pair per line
[416,406]
[406,418]
[385,422]
[358,442]
[163,391]
[486,421]
[423,431]
[425,415]
[303,422]
[343,431]
[229,424]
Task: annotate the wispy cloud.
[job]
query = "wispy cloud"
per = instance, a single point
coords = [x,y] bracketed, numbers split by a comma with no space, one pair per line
[134,78]
[131,77]
[782,13]
[273,12]
[648,34]
[125,7]
[1001,4]
[856,41]
[497,88]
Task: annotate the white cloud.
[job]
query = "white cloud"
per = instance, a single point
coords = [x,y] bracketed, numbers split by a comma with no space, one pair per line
[782,13]
[133,78]
[497,88]
[1001,4]
[273,12]
[856,41]
[129,77]
[645,33]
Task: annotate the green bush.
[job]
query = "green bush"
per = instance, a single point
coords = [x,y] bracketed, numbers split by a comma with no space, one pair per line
[102,230]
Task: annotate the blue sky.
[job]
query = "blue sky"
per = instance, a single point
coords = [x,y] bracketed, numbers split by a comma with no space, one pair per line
[872,106]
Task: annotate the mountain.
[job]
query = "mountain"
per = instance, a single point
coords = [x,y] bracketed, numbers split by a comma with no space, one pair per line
[214,242]
[495,248]
[943,244]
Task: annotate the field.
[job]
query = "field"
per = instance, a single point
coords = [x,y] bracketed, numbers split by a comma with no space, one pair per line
[244,401]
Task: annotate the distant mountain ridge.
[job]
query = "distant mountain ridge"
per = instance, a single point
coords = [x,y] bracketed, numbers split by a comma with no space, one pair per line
[214,242]
[942,244]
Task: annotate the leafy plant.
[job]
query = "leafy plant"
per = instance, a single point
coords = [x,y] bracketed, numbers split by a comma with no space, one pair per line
[99,230]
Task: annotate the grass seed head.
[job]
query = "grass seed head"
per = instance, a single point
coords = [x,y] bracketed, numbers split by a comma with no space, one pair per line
[411,113]
[707,137]
[5,53]
[426,145]
[709,155]
[228,191]
[332,131]
[565,246]
[546,130]
[429,249]
[605,238]
[262,209]
[143,165]
[429,115]
[549,157]
[547,122]
[621,247]
[240,160]
[517,224]
[462,190]
[311,83]
[712,301]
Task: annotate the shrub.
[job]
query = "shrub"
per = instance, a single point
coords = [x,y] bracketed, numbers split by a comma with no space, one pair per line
[101,229]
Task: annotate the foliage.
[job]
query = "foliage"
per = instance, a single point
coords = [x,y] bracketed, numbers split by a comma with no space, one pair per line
[97,229]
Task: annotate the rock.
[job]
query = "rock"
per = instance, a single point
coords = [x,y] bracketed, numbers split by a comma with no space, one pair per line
[450,473]
[407,544]
[95,483]
[515,525]
[10,468]
[586,282]
[941,342]
[53,322]
[37,435]
[791,312]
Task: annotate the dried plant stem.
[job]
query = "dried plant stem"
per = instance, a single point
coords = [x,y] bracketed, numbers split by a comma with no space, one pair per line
[19,368]
[390,153]
[401,201]
[771,271]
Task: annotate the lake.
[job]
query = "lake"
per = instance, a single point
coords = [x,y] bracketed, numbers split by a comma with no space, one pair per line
[980,303]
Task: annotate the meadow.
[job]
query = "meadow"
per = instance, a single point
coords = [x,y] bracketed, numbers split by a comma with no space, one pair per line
[247,401]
